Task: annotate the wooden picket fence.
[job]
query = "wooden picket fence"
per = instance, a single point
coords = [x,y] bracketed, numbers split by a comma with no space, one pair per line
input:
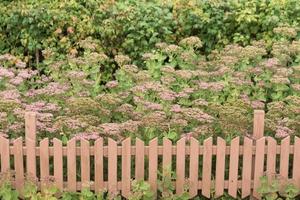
[201,167]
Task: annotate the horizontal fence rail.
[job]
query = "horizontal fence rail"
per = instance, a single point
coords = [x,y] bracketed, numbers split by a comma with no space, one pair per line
[208,168]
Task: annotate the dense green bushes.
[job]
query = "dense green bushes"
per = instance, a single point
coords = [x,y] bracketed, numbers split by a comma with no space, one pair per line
[134,27]
[146,69]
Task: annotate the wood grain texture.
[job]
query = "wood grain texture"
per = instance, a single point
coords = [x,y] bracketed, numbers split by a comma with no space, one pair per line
[284,158]
[180,166]
[30,140]
[153,164]
[233,167]
[112,166]
[296,162]
[71,162]
[247,167]
[44,162]
[98,153]
[207,166]
[58,163]
[194,167]
[18,163]
[85,163]
[271,158]
[4,152]
[167,153]
[139,159]
[259,164]
[220,167]
[126,167]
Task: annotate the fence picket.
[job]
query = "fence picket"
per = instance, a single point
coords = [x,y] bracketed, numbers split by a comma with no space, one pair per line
[259,164]
[71,161]
[247,167]
[233,166]
[296,162]
[18,163]
[220,167]
[284,158]
[153,152]
[85,163]
[139,159]
[167,153]
[206,169]
[180,166]
[58,163]
[194,167]
[4,152]
[271,158]
[44,161]
[30,140]
[126,167]
[98,153]
[112,166]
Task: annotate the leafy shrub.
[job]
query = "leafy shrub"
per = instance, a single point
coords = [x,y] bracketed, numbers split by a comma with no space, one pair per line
[35,30]
[277,189]
[180,92]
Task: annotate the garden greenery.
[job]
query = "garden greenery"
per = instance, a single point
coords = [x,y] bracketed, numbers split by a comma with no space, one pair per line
[149,68]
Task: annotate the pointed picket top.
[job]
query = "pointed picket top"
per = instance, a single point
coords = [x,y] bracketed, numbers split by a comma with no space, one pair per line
[72,140]
[126,141]
[153,141]
[3,138]
[138,142]
[270,140]
[208,140]
[17,140]
[84,141]
[286,139]
[221,140]
[99,140]
[44,141]
[181,141]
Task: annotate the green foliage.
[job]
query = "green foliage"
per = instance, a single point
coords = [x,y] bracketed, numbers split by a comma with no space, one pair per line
[166,186]
[7,193]
[141,191]
[272,189]
[44,31]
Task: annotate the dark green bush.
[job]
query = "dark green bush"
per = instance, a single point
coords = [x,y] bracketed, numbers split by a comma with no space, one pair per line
[134,27]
